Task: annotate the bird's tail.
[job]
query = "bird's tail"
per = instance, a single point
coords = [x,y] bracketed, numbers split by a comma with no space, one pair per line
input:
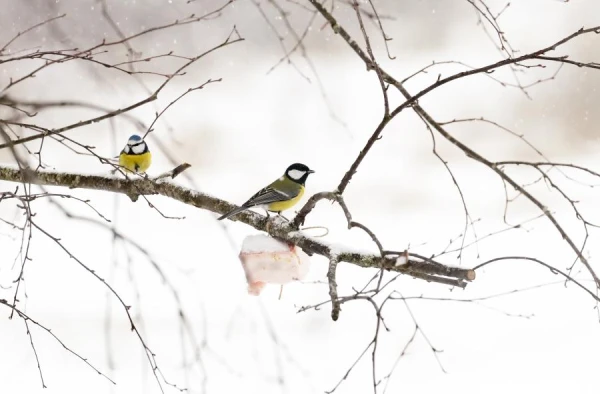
[233,212]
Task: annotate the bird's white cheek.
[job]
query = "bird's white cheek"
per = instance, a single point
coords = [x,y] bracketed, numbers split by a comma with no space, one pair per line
[138,149]
[296,174]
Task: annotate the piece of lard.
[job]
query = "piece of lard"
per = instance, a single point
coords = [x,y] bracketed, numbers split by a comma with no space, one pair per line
[268,260]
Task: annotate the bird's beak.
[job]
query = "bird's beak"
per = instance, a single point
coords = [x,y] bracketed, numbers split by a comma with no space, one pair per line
[311,171]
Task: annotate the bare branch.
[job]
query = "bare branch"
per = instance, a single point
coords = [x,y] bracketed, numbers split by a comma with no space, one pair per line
[47,132]
[411,100]
[538,261]
[25,317]
[335,309]
[21,33]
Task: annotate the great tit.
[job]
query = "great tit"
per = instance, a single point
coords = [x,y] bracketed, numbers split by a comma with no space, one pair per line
[135,156]
[280,195]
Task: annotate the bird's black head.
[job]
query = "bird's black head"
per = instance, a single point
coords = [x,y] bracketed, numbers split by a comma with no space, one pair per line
[298,173]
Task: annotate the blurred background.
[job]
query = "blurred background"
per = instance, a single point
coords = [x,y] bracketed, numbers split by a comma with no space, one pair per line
[319,108]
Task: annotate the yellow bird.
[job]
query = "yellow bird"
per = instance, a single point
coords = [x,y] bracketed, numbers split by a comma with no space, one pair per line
[135,156]
[281,194]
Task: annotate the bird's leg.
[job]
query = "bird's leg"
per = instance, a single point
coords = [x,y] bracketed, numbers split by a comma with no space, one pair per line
[283,217]
[267,212]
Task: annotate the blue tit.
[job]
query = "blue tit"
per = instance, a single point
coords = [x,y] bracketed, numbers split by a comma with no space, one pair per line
[135,156]
[280,195]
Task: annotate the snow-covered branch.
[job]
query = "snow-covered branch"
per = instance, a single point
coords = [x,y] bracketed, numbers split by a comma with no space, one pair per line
[415,265]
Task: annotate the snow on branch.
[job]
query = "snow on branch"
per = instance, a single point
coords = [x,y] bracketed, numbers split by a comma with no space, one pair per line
[415,265]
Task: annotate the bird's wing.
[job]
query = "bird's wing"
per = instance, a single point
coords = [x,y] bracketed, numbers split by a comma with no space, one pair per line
[270,195]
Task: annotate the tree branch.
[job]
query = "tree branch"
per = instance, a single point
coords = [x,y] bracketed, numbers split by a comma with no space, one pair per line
[44,132]
[335,302]
[411,101]
[415,266]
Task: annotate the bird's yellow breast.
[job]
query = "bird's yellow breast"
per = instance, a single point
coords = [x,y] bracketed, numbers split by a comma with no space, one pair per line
[283,205]
[136,163]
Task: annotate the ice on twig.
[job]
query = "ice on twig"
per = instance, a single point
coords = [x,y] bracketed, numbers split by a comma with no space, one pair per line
[267,260]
